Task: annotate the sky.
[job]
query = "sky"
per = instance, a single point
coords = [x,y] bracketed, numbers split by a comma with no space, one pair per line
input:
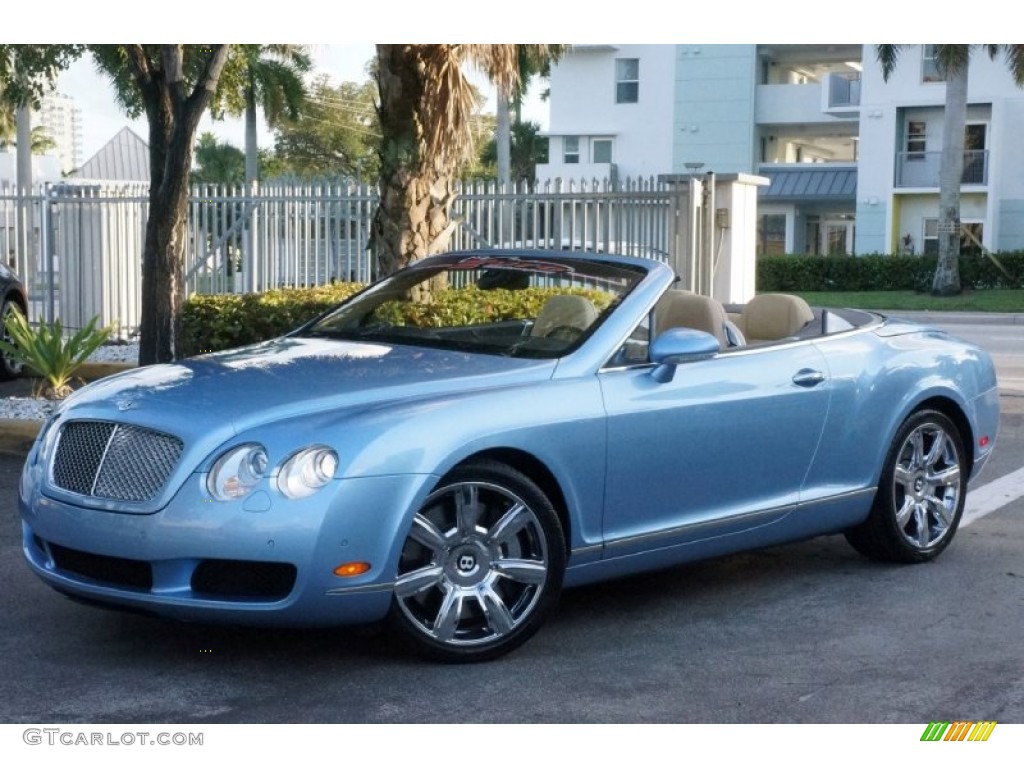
[350,25]
[102,118]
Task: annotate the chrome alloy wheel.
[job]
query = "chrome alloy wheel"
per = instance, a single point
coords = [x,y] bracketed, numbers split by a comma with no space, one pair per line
[927,485]
[474,566]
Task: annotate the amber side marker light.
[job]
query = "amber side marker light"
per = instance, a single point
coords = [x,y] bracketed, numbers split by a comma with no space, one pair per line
[351,569]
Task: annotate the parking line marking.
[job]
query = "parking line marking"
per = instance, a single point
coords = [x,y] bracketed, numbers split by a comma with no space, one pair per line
[992,496]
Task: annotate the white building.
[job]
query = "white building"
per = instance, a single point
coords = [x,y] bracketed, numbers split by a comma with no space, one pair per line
[63,123]
[853,160]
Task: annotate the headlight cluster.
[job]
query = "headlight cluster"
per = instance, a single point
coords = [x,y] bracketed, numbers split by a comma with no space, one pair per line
[239,470]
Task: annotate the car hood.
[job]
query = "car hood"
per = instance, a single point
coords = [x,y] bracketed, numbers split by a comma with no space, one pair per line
[214,396]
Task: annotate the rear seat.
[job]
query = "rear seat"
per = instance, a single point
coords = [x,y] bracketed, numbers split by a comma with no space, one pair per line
[772,316]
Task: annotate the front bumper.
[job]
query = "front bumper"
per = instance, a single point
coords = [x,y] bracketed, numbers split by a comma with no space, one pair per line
[201,560]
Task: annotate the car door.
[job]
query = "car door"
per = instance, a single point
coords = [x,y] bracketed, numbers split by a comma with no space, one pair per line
[722,447]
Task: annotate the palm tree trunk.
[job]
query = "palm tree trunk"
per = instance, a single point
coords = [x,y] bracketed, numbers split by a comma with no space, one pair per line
[412,219]
[251,168]
[503,138]
[947,271]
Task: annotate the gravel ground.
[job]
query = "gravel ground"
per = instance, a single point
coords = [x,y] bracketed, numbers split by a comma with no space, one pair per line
[35,409]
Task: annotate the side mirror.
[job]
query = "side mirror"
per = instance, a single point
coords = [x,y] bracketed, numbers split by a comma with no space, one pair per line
[677,346]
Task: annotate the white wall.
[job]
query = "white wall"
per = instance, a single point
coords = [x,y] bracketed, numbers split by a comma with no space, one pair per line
[44,168]
[583,104]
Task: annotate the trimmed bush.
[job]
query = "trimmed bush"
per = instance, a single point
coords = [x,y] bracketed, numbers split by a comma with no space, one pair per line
[471,306]
[882,273]
[221,321]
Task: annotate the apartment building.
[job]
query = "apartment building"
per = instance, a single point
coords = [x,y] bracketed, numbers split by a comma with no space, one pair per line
[852,159]
[63,123]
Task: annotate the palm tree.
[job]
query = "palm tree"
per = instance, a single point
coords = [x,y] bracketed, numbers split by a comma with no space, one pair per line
[426,103]
[954,64]
[531,60]
[269,78]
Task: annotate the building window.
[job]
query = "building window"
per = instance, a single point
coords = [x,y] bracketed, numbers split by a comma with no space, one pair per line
[970,237]
[571,150]
[931,72]
[602,150]
[627,81]
[916,139]
[771,234]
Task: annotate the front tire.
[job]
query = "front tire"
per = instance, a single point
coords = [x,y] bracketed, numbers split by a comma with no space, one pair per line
[481,566]
[921,493]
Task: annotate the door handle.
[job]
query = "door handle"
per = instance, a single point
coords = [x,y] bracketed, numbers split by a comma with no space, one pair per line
[808,377]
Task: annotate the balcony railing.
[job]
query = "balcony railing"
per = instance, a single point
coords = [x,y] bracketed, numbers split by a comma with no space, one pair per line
[921,169]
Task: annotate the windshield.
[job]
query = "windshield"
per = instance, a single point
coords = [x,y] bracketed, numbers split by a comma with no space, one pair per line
[523,306]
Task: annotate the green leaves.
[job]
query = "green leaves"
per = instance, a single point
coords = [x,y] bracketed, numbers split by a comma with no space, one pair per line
[223,321]
[876,272]
[46,350]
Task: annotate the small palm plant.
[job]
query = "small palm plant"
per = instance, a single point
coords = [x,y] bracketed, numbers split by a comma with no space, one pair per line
[45,349]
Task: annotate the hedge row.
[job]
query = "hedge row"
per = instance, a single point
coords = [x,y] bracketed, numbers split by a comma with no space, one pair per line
[883,273]
[216,322]
[222,321]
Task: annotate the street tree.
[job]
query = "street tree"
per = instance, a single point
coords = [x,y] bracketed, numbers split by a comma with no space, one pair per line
[532,61]
[268,78]
[953,62]
[426,102]
[336,134]
[173,86]
[218,162]
[528,148]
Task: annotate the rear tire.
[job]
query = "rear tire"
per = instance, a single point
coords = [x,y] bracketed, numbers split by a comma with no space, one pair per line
[921,493]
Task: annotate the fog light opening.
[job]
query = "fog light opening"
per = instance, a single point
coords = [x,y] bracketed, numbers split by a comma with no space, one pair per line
[346,570]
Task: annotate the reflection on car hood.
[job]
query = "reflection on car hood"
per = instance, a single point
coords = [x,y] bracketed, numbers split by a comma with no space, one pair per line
[290,377]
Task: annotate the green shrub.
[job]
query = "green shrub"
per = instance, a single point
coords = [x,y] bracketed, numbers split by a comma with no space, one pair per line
[879,272]
[46,351]
[469,306]
[222,321]
[216,322]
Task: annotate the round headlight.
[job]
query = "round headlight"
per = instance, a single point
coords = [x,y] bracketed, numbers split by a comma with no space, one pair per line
[307,471]
[237,472]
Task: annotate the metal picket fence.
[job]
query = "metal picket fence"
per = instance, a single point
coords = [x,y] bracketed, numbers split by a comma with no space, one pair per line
[79,246]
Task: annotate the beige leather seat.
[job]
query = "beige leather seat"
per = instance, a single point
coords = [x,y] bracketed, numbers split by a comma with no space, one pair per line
[682,309]
[564,310]
[773,316]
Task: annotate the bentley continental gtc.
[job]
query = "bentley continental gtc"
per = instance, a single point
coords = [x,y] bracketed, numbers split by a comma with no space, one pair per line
[447,450]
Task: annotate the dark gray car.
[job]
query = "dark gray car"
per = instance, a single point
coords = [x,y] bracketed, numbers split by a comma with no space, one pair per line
[14,299]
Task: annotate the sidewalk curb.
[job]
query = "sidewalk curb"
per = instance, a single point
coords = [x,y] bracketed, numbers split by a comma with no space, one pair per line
[17,435]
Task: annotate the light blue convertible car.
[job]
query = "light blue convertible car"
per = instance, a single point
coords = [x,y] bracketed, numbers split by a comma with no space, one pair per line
[452,446]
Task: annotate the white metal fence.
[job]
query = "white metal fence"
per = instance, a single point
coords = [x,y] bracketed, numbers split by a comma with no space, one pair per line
[79,246]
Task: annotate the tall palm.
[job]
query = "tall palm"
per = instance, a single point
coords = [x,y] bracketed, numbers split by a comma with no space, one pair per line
[268,78]
[532,60]
[954,64]
[426,102]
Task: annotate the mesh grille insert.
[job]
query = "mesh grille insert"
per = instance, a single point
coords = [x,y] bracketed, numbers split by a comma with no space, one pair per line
[114,461]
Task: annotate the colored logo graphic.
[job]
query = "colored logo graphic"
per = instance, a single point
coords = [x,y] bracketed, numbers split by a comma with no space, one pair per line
[959,731]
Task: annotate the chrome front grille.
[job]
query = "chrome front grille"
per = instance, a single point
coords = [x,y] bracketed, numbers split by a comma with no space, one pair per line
[113,461]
